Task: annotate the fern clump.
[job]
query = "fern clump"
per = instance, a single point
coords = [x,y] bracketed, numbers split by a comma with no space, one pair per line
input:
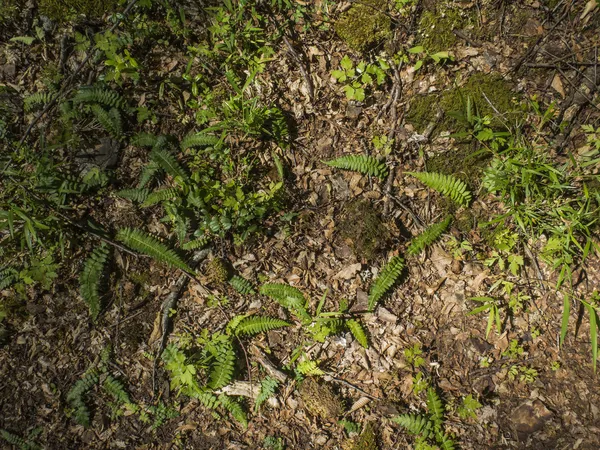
[100,96]
[135,194]
[268,386]
[143,140]
[116,389]
[167,162]
[151,246]
[36,100]
[242,285]
[7,277]
[110,120]
[364,164]
[447,185]
[428,237]
[160,195]
[287,296]
[91,278]
[386,279]
[18,441]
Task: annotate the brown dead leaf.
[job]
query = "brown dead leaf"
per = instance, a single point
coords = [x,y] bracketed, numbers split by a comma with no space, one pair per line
[348,272]
[156,331]
[557,85]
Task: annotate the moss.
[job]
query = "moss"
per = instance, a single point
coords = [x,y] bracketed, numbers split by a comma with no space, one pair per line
[60,10]
[436,25]
[364,24]
[362,227]
[367,439]
[477,87]
[320,400]
[217,271]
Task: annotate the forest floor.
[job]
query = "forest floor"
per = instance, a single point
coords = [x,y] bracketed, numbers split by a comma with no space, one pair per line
[462,85]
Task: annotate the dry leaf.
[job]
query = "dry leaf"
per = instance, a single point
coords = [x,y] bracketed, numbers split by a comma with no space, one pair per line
[348,272]
[558,86]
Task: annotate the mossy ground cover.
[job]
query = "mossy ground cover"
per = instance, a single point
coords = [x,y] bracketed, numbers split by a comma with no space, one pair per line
[365,24]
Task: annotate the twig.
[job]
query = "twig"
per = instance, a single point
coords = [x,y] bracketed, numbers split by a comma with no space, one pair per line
[468,39]
[352,386]
[269,367]
[303,71]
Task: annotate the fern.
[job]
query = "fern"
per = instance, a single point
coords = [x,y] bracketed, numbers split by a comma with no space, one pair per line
[309,368]
[148,173]
[235,409]
[143,140]
[76,396]
[135,194]
[115,388]
[254,325]
[415,424]
[223,365]
[435,407]
[91,277]
[267,390]
[98,95]
[167,162]
[151,246]
[447,185]
[196,243]
[204,396]
[242,285]
[36,100]
[445,443]
[198,140]
[110,121]
[364,164]
[287,296]
[428,237]
[7,277]
[358,332]
[386,279]
[159,196]
[18,441]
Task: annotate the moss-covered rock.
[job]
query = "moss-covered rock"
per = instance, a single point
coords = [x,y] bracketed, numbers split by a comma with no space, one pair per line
[363,229]
[437,23]
[320,400]
[478,87]
[217,271]
[367,439]
[60,10]
[364,24]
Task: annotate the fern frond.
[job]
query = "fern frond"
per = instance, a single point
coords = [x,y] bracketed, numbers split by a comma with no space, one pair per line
[235,409]
[143,140]
[135,194]
[7,277]
[415,424]
[242,285]
[250,326]
[204,396]
[36,100]
[151,246]
[428,237]
[18,441]
[445,443]
[159,196]
[196,243]
[76,396]
[110,121]
[358,332]
[386,279]
[446,185]
[91,277]
[167,162]
[435,407]
[223,365]
[104,97]
[364,164]
[267,390]
[116,389]
[148,173]
[309,368]
[198,140]
[287,296]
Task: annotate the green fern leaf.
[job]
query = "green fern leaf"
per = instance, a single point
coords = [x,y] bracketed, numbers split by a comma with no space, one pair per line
[386,279]
[223,365]
[198,140]
[428,237]
[446,185]
[268,386]
[159,196]
[445,443]
[196,243]
[358,332]
[235,409]
[435,407]
[168,163]
[309,368]
[250,326]
[148,172]
[151,246]
[110,121]
[7,277]
[143,140]
[287,296]
[115,388]
[364,164]
[135,194]
[76,396]
[204,396]
[242,285]
[18,441]
[415,424]
[98,95]
[36,100]
[91,277]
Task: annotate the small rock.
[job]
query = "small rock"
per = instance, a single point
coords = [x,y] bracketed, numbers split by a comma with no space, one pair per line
[352,112]
[530,417]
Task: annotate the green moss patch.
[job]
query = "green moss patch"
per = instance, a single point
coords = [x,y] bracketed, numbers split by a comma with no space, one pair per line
[60,10]
[436,25]
[364,24]
[363,229]
[477,87]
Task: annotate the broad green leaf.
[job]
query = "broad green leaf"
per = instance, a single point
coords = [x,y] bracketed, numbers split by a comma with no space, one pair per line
[416,49]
